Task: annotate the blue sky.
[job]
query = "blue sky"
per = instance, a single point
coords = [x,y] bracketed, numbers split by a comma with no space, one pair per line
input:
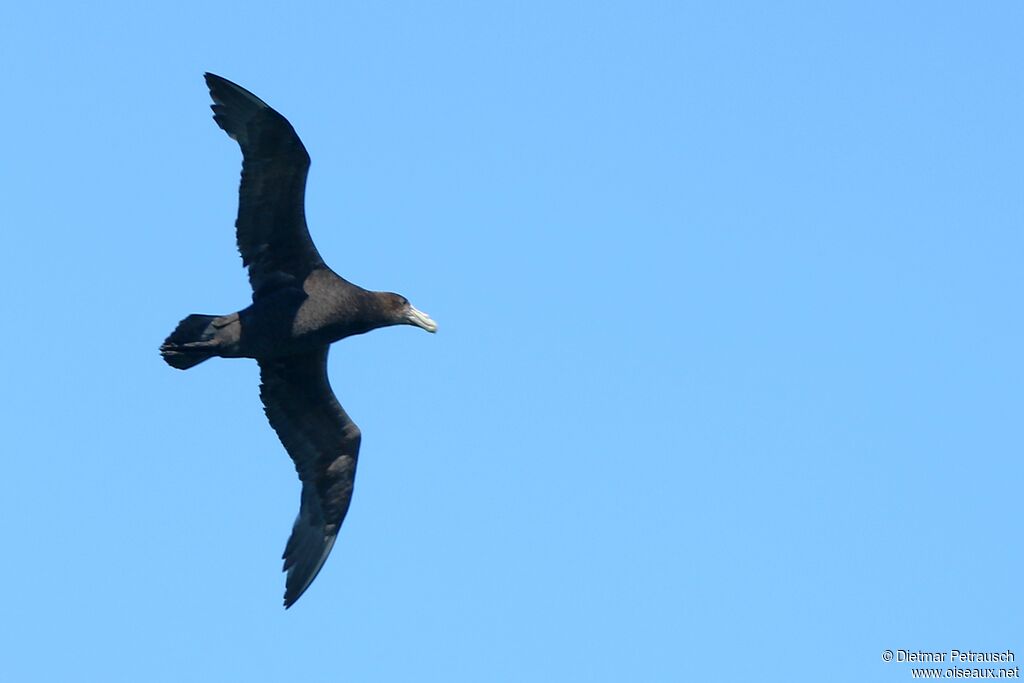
[728,382]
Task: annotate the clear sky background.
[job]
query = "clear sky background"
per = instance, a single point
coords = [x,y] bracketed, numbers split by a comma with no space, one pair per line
[728,383]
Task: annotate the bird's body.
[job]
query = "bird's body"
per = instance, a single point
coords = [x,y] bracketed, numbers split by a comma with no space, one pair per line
[292,319]
[300,306]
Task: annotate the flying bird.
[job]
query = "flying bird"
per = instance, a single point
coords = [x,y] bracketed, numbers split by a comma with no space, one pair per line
[299,307]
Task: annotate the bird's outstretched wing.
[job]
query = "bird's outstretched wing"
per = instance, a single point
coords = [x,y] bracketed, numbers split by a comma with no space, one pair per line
[324,443]
[271,228]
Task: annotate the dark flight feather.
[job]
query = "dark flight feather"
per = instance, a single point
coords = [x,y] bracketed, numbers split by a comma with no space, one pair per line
[324,443]
[273,238]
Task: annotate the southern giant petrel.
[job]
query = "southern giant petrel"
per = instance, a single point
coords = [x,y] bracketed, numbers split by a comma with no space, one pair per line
[299,307]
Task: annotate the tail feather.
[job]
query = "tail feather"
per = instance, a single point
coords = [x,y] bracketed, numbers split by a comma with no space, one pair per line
[192,342]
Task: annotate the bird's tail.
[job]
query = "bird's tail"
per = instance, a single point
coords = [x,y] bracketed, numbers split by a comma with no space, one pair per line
[192,342]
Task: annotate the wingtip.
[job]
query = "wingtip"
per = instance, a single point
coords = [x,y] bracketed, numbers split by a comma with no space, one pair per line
[303,566]
[230,92]
[291,596]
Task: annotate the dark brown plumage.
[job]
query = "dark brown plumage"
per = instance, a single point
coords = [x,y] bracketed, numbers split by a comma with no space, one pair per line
[299,307]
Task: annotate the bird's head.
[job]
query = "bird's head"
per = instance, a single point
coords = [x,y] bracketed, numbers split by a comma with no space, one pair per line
[401,312]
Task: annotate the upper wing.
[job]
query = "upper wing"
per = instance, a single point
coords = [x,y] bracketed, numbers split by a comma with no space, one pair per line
[271,226]
[324,443]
